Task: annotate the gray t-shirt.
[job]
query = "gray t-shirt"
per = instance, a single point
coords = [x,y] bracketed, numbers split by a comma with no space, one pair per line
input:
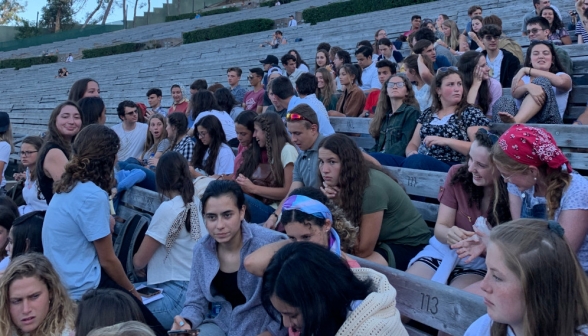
[162,147]
[306,166]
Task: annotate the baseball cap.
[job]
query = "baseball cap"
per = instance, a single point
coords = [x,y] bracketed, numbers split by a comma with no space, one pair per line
[270,59]
[4,122]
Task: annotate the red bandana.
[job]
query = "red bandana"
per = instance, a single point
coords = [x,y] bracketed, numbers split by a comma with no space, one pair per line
[532,146]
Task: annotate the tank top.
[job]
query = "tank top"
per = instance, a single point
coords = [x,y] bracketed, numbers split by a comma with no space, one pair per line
[45,182]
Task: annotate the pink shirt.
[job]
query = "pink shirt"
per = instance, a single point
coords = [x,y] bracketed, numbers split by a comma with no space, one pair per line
[253,99]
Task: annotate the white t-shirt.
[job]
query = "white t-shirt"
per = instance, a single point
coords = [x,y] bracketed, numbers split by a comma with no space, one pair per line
[31,197]
[481,327]
[225,161]
[288,155]
[225,119]
[131,142]
[561,96]
[175,266]
[5,150]
[369,78]
[495,65]
[303,68]
[423,96]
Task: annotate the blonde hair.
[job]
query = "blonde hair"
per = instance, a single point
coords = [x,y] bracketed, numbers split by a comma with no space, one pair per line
[555,287]
[152,142]
[130,328]
[453,40]
[61,313]
[384,104]
[330,87]
[8,137]
[556,180]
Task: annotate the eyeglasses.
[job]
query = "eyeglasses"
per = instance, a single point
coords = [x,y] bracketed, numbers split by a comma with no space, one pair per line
[250,77]
[392,85]
[534,31]
[131,113]
[445,69]
[506,178]
[491,38]
[27,153]
[297,117]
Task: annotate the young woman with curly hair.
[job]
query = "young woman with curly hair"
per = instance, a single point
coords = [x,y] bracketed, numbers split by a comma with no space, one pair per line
[308,215]
[395,118]
[471,190]
[76,232]
[32,299]
[64,124]
[266,173]
[541,183]
[559,34]
[391,231]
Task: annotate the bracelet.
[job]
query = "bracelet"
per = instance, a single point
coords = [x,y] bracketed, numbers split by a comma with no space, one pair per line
[275,214]
[132,289]
[219,177]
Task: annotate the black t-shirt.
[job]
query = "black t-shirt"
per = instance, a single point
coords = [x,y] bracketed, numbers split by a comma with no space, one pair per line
[226,285]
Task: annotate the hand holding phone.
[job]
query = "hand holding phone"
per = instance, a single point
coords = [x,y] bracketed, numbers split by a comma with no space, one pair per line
[148,292]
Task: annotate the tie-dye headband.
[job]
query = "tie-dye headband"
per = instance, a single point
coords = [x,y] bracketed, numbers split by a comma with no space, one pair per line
[308,206]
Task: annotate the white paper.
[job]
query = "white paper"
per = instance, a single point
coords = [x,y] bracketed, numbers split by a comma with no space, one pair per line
[150,299]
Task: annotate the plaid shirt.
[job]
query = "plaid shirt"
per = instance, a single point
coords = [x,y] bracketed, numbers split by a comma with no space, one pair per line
[186,148]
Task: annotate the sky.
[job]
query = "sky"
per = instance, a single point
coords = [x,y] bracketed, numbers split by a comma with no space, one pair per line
[34,6]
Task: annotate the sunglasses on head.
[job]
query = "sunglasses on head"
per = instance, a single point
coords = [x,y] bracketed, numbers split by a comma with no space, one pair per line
[296,117]
[445,69]
[493,137]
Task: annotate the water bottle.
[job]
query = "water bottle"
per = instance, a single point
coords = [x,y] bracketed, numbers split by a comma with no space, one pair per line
[151,157]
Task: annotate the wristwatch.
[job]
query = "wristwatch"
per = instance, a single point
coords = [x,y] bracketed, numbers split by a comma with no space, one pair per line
[367,114]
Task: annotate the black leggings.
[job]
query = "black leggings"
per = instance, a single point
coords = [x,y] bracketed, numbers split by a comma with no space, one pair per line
[403,254]
[150,319]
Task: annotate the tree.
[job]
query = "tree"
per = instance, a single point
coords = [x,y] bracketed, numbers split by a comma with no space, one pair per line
[90,15]
[57,15]
[9,10]
[28,29]
[107,11]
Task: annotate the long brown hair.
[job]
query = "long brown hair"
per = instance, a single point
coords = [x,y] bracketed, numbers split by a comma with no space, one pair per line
[151,141]
[330,87]
[384,104]
[95,151]
[36,142]
[353,175]
[555,287]
[435,98]
[276,137]
[217,138]
[61,313]
[556,180]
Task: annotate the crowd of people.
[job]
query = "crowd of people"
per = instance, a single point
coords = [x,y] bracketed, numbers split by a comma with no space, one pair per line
[267,214]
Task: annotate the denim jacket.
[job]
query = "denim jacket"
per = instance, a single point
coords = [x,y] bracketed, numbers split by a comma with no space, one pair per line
[396,130]
[249,318]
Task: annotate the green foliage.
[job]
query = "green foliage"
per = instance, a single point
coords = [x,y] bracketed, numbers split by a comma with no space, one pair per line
[28,29]
[113,50]
[9,10]
[57,15]
[207,13]
[352,7]
[228,30]
[19,63]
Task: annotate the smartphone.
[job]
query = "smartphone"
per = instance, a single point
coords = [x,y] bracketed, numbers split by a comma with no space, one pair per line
[193,332]
[148,292]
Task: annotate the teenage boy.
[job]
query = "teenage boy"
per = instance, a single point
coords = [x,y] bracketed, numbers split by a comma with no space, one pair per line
[131,133]
[505,42]
[539,5]
[425,33]
[269,63]
[306,86]
[369,74]
[283,97]
[234,77]
[385,70]
[415,24]
[292,22]
[538,30]
[503,64]
[290,70]
[425,47]
[154,96]
[253,100]
[388,52]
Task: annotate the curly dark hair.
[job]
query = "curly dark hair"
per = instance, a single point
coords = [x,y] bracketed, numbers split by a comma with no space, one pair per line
[353,175]
[500,212]
[95,150]
[217,138]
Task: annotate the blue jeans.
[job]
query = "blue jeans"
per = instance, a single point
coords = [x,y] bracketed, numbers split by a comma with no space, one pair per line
[210,329]
[529,210]
[174,297]
[415,161]
[148,182]
[258,210]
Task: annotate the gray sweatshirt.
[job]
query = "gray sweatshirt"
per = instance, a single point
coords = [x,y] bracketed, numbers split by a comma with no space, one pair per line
[249,319]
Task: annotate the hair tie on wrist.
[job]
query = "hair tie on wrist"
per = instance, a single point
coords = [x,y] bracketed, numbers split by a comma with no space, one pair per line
[554,227]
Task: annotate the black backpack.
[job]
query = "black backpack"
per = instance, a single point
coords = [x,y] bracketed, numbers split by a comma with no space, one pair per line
[128,241]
